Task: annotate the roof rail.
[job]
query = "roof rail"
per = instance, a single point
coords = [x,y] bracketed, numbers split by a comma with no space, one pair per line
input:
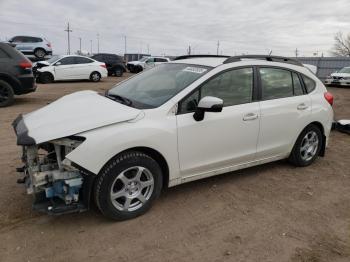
[199,56]
[279,59]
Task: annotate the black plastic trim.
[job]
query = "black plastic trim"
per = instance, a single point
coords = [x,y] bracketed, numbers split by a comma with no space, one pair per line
[21,130]
[199,56]
[279,59]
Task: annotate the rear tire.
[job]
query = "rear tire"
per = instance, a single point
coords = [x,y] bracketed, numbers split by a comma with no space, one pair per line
[46,78]
[119,72]
[307,147]
[95,76]
[39,53]
[7,96]
[128,185]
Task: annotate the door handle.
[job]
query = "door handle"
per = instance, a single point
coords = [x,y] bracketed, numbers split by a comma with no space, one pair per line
[250,117]
[302,106]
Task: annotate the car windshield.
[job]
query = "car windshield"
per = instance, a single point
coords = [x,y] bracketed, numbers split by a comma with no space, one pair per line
[345,70]
[143,59]
[154,87]
[54,59]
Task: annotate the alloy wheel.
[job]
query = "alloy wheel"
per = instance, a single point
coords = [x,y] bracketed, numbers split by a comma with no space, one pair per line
[132,188]
[309,146]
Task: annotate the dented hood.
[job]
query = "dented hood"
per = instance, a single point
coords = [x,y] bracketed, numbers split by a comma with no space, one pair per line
[72,114]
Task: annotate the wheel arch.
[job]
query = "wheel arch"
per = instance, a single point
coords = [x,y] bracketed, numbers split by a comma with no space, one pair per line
[158,157]
[15,84]
[324,138]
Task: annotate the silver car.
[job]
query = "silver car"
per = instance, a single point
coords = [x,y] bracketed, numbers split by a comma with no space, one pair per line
[29,45]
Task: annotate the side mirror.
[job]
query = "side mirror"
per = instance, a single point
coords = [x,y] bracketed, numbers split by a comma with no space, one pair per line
[58,63]
[208,104]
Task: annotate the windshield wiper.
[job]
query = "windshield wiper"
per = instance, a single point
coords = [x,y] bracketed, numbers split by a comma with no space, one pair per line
[120,99]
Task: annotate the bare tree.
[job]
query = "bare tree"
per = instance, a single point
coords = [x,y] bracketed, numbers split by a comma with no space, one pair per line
[342,45]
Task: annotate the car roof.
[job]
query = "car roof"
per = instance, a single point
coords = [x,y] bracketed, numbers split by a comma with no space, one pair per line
[249,60]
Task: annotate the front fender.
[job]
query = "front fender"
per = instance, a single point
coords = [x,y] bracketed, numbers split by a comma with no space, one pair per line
[103,144]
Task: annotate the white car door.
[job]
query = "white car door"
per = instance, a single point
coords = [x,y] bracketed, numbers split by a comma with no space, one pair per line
[149,63]
[64,68]
[84,67]
[224,139]
[285,111]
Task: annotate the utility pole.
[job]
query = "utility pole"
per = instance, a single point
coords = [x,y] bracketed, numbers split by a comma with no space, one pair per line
[148,49]
[80,45]
[68,30]
[91,47]
[124,44]
[296,52]
[189,50]
[217,49]
[98,43]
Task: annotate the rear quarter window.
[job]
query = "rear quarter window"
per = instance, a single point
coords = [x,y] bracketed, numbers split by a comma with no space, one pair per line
[310,84]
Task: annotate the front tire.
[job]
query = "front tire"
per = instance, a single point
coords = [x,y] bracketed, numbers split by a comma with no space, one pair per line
[128,185]
[46,78]
[95,76]
[307,147]
[6,94]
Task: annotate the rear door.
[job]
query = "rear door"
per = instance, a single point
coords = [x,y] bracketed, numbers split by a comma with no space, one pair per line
[285,111]
[83,67]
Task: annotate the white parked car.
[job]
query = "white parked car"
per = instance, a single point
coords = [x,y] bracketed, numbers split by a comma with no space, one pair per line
[145,63]
[341,77]
[69,67]
[192,118]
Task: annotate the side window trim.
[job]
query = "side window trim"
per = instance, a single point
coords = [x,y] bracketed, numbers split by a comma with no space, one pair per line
[254,97]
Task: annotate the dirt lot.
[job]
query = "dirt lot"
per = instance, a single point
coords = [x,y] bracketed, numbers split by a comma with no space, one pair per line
[274,212]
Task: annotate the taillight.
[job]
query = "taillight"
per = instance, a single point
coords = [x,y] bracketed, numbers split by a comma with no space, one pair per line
[103,65]
[48,45]
[329,97]
[25,64]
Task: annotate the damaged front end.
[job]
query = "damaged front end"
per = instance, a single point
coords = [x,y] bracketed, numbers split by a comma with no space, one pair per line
[57,184]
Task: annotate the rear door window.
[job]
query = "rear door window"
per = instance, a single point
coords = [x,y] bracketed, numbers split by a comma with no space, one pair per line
[82,60]
[276,83]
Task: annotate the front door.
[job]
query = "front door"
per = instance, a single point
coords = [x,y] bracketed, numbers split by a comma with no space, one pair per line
[64,69]
[222,139]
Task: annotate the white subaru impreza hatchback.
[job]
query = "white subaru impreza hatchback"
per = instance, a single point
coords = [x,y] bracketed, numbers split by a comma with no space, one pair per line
[192,118]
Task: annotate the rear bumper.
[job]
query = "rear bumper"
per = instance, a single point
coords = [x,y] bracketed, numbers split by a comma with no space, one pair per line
[27,84]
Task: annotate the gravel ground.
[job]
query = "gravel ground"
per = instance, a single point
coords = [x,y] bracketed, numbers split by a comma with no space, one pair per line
[274,212]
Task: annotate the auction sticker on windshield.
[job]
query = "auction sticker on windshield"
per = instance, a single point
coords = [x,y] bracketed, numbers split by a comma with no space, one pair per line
[197,70]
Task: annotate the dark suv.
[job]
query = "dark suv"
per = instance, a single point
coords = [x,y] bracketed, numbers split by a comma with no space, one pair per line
[115,64]
[16,75]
